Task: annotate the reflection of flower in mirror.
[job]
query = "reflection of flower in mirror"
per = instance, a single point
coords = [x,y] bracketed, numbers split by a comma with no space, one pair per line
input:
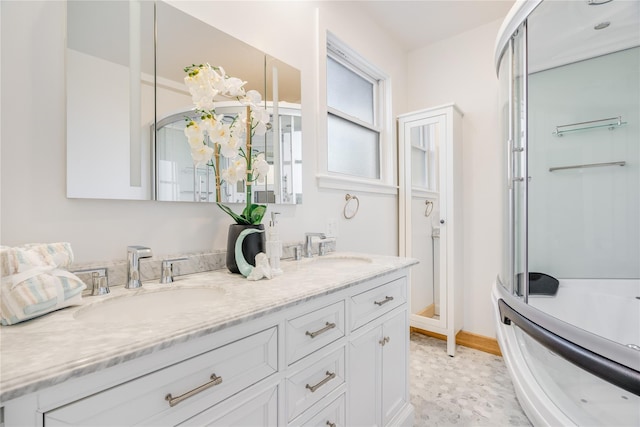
[207,84]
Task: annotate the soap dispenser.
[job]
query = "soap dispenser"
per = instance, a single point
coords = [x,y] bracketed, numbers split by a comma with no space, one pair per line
[274,245]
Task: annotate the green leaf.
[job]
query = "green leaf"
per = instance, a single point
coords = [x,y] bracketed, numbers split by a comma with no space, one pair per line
[253,214]
[239,219]
[257,213]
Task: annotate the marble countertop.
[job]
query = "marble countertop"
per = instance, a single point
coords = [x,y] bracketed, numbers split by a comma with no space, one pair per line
[61,345]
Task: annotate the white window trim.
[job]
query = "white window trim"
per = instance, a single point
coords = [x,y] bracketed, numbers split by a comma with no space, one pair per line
[382,121]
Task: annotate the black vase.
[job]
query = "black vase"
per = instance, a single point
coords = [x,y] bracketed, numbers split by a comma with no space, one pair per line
[252,245]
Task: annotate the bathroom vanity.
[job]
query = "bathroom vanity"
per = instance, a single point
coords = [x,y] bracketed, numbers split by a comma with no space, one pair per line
[324,344]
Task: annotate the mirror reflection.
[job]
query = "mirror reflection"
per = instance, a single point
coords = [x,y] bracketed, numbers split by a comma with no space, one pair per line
[140,151]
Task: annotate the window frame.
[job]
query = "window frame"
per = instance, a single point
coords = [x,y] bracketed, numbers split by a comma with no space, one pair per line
[382,124]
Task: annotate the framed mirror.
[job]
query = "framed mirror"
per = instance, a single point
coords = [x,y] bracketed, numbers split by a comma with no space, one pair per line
[130,144]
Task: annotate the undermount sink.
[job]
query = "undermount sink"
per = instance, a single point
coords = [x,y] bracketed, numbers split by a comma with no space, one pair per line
[145,306]
[338,261]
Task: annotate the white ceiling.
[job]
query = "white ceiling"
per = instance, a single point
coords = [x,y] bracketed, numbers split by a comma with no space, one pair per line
[418,23]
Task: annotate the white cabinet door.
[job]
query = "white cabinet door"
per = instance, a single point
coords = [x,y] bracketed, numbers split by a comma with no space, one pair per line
[378,373]
[394,362]
[364,379]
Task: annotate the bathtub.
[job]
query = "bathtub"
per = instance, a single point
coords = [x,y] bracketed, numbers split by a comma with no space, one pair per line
[553,391]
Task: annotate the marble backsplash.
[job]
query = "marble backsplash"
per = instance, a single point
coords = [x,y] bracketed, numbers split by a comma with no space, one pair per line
[150,268]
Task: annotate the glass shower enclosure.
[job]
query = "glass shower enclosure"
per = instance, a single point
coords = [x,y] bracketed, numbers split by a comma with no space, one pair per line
[568,296]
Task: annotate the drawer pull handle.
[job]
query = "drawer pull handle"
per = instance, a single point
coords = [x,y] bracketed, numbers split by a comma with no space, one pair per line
[319,331]
[173,401]
[383,341]
[330,424]
[384,301]
[330,376]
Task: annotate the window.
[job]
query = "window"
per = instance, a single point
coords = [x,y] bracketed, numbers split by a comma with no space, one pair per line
[356,142]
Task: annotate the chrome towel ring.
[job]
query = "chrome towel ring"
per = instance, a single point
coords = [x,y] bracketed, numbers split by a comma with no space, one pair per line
[429,207]
[350,209]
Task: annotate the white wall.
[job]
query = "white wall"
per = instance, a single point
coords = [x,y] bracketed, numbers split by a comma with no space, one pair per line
[34,207]
[461,70]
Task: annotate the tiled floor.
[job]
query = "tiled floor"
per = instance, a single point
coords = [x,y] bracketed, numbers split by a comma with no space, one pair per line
[471,389]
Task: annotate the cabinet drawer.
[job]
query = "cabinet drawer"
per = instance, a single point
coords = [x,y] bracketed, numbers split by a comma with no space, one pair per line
[373,303]
[314,382]
[306,334]
[332,415]
[191,384]
[243,410]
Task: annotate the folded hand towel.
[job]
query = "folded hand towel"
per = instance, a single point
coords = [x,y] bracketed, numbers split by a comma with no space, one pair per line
[35,281]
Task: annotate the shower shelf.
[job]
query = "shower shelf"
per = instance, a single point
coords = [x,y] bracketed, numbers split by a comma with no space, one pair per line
[611,123]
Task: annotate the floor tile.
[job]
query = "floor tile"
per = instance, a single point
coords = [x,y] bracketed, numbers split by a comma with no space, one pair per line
[471,389]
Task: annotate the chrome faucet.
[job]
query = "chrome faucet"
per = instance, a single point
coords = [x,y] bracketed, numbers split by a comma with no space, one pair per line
[134,253]
[308,247]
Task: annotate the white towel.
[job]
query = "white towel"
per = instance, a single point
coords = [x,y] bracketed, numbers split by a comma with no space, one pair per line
[35,281]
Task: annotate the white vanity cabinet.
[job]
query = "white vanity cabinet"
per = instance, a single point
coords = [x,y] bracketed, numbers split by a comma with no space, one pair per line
[336,359]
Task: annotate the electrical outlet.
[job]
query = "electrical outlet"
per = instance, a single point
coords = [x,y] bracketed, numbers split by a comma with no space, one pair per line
[332,228]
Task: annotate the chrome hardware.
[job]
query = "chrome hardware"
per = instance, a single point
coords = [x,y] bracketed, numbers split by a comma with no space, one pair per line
[428,207]
[297,252]
[308,247]
[328,326]
[99,280]
[173,401]
[384,301]
[384,341]
[322,248]
[134,253]
[330,376]
[351,213]
[442,221]
[588,165]
[612,122]
[330,424]
[166,275]
[634,346]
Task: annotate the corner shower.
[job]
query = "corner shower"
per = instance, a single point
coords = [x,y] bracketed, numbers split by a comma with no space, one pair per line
[567,301]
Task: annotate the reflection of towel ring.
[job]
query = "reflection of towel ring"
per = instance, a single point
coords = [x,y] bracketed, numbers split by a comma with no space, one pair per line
[429,208]
[350,212]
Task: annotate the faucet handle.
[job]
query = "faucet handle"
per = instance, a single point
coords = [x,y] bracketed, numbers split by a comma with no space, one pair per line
[166,275]
[99,280]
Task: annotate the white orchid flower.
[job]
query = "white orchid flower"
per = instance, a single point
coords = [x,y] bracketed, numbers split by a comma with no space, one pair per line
[230,147]
[208,124]
[259,118]
[234,87]
[260,168]
[221,133]
[194,134]
[202,154]
[253,99]
[236,171]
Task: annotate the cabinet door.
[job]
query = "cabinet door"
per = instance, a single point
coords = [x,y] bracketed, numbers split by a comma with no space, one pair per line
[394,362]
[364,379]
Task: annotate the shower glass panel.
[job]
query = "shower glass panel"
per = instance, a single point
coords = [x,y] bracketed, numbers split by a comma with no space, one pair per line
[504,97]
[518,155]
[584,190]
